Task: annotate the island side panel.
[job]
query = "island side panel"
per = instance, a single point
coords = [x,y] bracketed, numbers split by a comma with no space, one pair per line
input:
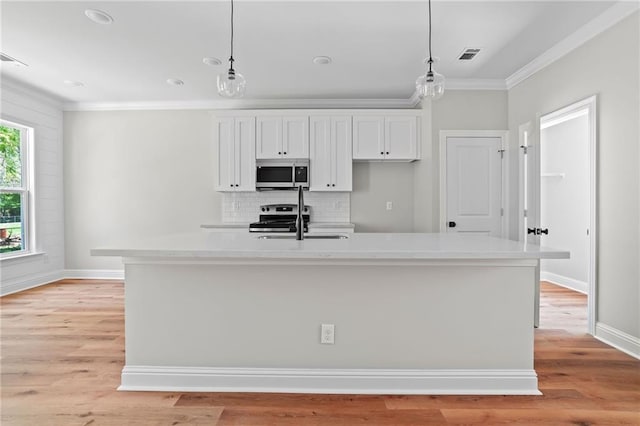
[426,317]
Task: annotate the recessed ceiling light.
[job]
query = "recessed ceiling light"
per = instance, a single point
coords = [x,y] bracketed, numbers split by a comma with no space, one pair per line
[175,81]
[73,83]
[322,60]
[98,16]
[212,61]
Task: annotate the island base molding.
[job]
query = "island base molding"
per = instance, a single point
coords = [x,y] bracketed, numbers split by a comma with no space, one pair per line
[330,381]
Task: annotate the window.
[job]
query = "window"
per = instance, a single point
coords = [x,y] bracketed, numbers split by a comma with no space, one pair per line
[15,190]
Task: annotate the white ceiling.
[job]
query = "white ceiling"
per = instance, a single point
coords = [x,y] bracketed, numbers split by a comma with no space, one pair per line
[377,47]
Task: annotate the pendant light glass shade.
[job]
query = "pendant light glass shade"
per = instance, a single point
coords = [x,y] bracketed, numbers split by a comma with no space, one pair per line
[430,85]
[231,84]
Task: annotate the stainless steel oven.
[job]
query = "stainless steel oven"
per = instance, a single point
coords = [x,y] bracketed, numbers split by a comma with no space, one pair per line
[282,174]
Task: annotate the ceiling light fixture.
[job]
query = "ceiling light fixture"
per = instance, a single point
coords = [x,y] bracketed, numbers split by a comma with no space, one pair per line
[211,61]
[322,60]
[231,84]
[175,82]
[98,16]
[430,85]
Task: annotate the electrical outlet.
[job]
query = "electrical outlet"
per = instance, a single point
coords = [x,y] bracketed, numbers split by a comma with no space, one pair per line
[327,334]
[389,205]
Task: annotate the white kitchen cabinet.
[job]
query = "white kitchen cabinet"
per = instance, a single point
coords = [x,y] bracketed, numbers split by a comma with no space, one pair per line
[282,137]
[235,142]
[393,137]
[330,153]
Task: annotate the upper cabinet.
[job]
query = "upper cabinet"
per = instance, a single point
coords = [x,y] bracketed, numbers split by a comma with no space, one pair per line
[388,137]
[282,137]
[330,153]
[235,142]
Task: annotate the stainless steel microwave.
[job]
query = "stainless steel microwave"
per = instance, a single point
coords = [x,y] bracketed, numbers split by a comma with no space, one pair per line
[282,174]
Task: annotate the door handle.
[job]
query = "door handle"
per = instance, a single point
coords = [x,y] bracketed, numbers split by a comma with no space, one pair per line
[452,224]
[538,231]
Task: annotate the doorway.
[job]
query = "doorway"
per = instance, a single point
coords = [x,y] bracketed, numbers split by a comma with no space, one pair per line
[558,196]
[472,182]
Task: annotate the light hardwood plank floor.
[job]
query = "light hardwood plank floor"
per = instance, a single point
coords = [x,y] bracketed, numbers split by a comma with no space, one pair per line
[62,350]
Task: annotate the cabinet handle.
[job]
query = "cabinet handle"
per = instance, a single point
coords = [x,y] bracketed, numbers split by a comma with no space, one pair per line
[279,152]
[327,184]
[231,185]
[381,152]
[285,153]
[333,184]
[387,152]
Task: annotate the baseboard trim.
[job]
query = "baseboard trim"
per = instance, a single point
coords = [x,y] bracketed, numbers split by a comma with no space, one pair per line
[94,274]
[332,381]
[25,283]
[618,339]
[570,283]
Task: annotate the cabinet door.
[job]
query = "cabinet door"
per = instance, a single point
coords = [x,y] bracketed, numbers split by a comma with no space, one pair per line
[401,141]
[320,154]
[295,137]
[269,137]
[245,154]
[224,135]
[341,143]
[368,138]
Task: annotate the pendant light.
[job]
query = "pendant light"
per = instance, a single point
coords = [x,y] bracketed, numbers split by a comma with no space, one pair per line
[430,85]
[231,84]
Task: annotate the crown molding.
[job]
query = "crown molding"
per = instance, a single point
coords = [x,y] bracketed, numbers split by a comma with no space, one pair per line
[241,104]
[606,20]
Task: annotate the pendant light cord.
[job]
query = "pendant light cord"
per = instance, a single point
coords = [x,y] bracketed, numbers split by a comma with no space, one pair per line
[430,58]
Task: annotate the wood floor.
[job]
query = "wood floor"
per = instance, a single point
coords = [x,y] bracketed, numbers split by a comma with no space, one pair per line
[63,350]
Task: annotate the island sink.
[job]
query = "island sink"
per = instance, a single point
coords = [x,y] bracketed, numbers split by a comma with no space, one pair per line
[306,237]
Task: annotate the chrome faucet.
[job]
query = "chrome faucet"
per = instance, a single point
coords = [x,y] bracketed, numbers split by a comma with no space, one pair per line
[299,219]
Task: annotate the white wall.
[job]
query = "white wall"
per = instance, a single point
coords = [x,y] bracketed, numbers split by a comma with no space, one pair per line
[135,174]
[565,200]
[607,66]
[24,106]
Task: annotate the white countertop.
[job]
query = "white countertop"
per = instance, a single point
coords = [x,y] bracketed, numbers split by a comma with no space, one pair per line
[240,245]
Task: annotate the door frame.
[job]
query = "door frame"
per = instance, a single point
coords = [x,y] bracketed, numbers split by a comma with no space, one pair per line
[556,117]
[504,142]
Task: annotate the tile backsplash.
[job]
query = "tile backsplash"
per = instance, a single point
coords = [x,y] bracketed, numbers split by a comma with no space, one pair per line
[244,207]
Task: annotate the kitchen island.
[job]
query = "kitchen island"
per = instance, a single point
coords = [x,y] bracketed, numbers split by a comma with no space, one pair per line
[413,313]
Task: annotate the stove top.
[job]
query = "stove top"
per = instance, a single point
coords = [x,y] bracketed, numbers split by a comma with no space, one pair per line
[278,223]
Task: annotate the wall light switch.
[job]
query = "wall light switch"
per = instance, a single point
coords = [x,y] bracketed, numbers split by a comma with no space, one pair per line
[389,205]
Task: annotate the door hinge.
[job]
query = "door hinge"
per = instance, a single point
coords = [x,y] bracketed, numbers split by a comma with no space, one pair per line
[525,212]
[525,148]
[501,211]
[501,151]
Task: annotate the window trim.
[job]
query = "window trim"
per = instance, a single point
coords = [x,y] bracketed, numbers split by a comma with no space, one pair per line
[27,190]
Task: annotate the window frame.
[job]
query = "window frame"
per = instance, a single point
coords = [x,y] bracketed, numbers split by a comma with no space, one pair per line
[26,190]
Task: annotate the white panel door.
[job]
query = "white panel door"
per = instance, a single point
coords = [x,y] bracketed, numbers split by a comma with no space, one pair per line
[268,137]
[224,131]
[368,138]
[245,157]
[295,137]
[474,185]
[400,138]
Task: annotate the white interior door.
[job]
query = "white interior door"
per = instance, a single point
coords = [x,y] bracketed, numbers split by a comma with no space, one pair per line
[474,185]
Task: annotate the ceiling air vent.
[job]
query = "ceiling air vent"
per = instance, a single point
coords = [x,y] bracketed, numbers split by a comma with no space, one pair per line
[468,54]
[9,60]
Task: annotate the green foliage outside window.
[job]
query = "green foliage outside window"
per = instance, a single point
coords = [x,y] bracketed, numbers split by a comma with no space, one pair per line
[10,161]
[11,232]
